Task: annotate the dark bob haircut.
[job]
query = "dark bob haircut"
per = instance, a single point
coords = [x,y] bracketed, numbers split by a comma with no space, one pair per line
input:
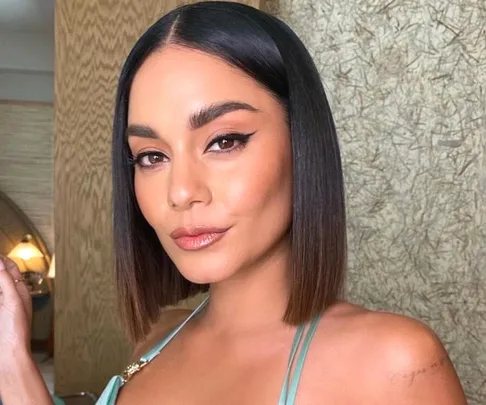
[267,50]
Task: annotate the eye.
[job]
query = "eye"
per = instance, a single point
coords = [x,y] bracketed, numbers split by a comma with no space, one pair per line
[223,144]
[149,159]
[228,142]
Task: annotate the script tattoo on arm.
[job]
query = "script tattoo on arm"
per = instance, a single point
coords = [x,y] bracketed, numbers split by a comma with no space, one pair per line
[410,376]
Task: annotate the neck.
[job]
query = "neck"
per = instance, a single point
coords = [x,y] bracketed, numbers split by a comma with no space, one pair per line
[254,299]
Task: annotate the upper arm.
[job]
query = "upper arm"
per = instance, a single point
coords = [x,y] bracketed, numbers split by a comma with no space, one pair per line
[412,366]
[168,321]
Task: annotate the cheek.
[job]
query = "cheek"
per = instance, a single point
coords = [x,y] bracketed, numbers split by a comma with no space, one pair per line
[262,186]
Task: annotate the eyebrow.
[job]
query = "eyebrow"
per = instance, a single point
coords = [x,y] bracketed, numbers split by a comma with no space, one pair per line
[197,120]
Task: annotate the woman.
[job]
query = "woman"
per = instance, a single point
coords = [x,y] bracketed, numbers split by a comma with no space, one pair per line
[227,178]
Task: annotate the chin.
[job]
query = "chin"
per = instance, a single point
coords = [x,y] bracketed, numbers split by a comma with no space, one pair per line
[207,269]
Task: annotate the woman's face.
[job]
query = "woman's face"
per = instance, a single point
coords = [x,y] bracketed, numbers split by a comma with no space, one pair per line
[213,173]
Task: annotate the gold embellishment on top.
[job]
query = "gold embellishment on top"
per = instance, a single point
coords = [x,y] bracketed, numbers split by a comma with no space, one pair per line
[133,369]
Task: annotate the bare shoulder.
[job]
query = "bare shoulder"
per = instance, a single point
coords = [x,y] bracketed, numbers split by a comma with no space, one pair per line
[395,359]
[169,320]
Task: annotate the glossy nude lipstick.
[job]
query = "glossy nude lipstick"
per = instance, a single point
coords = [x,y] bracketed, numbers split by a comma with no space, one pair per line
[197,238]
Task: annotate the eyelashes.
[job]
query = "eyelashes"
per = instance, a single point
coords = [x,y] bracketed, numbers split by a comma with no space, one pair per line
[147,159]
[226,143]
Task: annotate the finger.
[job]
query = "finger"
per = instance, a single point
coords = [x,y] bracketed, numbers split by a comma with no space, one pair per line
[11,267]
[14,271]
[18,280]
[7,283]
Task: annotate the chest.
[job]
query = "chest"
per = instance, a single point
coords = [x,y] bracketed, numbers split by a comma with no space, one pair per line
[228,377]
[208,377]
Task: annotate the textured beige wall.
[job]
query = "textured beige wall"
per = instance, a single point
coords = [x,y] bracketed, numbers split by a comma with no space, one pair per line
[407,81]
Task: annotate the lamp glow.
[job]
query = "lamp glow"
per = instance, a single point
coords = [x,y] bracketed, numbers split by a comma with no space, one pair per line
[25,250]
[52,268]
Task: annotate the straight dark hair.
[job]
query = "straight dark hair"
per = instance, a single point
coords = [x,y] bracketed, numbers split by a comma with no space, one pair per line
[267,50]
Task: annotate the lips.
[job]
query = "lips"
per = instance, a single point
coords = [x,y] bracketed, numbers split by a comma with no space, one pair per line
[198,237]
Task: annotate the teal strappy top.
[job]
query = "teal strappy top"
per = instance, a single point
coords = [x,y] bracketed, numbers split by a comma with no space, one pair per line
[290,385]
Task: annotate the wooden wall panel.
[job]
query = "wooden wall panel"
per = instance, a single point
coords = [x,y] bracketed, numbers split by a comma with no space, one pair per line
[92,39]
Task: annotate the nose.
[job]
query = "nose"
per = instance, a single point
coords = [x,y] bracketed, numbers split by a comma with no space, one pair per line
[187,185]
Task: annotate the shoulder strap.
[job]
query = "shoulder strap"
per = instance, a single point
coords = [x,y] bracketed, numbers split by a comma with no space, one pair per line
[300,361]
[110,393]
[155,351]
[293,352]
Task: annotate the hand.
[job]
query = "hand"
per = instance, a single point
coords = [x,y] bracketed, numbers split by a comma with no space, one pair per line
[20,379]
[15,310]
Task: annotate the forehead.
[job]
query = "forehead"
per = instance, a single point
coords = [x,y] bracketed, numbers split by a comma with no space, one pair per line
[178,80]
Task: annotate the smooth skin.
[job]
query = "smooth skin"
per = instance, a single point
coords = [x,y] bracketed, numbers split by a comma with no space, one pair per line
[236,351]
